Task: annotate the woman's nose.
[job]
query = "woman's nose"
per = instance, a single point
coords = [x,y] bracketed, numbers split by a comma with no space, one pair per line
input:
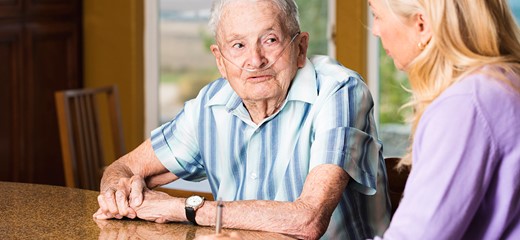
[375,30]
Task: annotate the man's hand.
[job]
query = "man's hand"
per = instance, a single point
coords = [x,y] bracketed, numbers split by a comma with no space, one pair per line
[118,200]
[159,207]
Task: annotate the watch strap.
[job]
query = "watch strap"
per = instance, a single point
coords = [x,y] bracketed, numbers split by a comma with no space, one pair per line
[190,215]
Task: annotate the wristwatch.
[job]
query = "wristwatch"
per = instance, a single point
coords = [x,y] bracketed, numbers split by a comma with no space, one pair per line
[191,205]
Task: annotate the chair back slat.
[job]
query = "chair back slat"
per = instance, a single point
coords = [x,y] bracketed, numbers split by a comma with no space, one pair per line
[81,142]
[396,181]
[81,133]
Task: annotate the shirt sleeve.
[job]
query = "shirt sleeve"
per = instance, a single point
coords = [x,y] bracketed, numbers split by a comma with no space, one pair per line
[346,135]
[175,145]
[452,168]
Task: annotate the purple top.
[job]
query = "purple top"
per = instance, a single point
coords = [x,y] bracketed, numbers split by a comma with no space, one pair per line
[465,180]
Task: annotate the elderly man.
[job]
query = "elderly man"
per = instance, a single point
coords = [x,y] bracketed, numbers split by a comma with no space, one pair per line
[288,143]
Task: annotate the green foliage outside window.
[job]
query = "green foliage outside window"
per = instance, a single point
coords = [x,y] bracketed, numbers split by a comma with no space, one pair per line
[313,19]
[393,95]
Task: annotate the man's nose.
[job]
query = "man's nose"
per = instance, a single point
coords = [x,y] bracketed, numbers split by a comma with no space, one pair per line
[257,57]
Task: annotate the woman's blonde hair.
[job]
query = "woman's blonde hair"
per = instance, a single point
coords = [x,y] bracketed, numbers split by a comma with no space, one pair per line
[467,34]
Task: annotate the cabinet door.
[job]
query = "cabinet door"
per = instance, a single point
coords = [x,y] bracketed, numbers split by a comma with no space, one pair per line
[51,7]
[51,64]
[10,8]
[40,53]
[10,77]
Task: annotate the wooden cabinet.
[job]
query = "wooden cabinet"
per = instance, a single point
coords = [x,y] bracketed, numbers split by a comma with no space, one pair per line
[40,53]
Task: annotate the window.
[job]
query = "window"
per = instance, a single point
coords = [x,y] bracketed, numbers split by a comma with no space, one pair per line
[394,131]
[186,63]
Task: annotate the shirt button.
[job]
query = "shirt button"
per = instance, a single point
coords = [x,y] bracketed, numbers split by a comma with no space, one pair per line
[254,176]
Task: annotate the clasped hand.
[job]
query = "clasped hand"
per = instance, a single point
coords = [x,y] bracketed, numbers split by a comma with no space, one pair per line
[131,198]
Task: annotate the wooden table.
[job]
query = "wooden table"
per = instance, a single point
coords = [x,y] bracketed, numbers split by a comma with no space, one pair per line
[33,211]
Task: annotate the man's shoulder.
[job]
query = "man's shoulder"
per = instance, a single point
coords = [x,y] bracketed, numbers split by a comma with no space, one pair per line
[328,67]
[331,75]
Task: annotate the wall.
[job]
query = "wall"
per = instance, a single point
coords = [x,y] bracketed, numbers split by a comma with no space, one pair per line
[351,35]
[113,54]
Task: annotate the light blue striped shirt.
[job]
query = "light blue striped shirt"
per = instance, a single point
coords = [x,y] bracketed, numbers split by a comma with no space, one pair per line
[327,118]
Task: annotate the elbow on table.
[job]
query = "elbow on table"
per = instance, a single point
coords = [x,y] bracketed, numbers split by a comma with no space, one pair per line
[313,226]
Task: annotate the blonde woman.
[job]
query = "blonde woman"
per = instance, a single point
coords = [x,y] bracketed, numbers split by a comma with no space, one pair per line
[463,62]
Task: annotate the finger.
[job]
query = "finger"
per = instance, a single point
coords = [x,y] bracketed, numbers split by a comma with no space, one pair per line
[103,216]
[122,204]
[110,204]
[98,212]
[122,194]
[101,202]
[131,213]
[103,207]
[159,220]
[136,192]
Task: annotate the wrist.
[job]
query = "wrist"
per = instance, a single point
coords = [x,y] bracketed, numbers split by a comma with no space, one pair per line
[192,205]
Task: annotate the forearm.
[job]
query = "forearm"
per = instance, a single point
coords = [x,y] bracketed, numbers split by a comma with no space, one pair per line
[141,161]
[308,217]
[293,218]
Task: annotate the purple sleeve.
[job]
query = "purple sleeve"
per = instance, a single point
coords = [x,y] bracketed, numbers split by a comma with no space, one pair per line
[450,174]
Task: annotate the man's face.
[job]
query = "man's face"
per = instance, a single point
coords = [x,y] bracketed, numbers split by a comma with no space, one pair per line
[250,37]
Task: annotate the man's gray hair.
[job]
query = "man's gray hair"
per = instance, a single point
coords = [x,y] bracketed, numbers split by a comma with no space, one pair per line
[288,8]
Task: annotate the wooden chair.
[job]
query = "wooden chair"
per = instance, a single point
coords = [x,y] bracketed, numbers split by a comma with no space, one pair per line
[82,133]
[396,181]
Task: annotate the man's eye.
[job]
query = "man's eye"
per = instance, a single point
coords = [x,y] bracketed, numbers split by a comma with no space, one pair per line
[271,40]
[238,45]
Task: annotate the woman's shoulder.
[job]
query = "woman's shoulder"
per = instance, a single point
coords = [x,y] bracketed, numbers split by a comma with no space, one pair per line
[489,86]
[486,97]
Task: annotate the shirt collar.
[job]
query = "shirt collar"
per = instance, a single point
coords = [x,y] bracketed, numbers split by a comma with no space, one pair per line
[303,88]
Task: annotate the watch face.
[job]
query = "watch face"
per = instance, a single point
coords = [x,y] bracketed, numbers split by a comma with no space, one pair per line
[194,200]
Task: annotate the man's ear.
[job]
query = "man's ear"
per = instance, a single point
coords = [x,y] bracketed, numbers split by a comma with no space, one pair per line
[423,27]
[219,60]
[303,44]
